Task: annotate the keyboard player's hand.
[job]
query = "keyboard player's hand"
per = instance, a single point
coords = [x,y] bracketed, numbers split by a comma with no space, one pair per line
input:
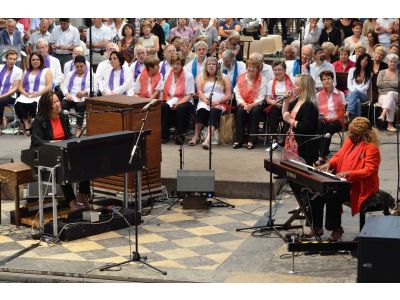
[324,168]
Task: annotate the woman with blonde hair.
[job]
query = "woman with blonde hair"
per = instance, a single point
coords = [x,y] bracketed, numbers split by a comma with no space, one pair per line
[358,162]
[378,63]
[211,80]
[302,115]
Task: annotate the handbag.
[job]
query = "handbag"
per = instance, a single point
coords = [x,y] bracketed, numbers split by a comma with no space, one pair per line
[227,127]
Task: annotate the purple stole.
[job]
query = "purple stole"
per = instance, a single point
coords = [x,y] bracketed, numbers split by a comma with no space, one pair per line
[121,79]
[7,83]
[36,83]
[163,68]
[47,61]
[71,67]
[137,70]
[72,79]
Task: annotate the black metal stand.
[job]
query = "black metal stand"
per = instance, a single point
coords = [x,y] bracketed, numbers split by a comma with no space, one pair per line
[136,257]
[271,226]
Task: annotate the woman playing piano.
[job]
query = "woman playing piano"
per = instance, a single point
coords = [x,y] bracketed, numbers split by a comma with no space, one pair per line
[50,125]
[358,162]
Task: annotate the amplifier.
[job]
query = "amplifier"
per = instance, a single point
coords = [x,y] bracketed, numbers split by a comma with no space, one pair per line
[74,227]
[195,181]
[378,250]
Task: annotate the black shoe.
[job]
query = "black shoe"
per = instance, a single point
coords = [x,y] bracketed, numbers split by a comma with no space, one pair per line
[237,145]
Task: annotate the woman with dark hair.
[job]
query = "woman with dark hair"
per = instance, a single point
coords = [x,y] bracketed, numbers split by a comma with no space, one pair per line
[373,40]
[118,80]
[330,34]
[358,82]
[358,162]
[36,81]
[356,38]
[50,125]
[211,77]
[76,87]
[127,43]
[177,97]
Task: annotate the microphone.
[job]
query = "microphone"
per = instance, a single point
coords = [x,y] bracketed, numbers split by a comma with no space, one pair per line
[323,136]
[279,98]
[67,113]
[150,104]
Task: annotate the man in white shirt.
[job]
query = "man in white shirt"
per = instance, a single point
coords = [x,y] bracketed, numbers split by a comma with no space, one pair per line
[11,38]
[101,35]
[231,67]
[43,33]
[266,71]
[196,66]
[384,29]
[165,65]
[63,39]
[138,65]
[50,62]
[320,65]
[69,65]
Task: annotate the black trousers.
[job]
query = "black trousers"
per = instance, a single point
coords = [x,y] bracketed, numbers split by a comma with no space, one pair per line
[271,24]
[315,205]
[202,116]
[181,116]
[25,110]
[252,119]
[80,108]
[274,117]
[68,191]
[332,128]
[3,103]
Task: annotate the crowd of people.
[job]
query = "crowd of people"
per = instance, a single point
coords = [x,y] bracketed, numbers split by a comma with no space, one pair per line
[197,68]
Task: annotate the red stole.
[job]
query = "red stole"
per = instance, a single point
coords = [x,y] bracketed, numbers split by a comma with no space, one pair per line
[179,85]
[248,92]
[144,81]
[288,85]
[337,104]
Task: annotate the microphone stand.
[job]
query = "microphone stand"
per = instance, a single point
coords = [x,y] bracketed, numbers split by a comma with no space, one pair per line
[136,257]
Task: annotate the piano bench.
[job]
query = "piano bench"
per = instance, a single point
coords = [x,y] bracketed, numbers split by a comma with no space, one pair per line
[13,175]
[380,201]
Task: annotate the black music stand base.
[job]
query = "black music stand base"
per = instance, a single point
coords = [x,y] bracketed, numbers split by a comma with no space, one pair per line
[270,226]
[135,258]
[219,203]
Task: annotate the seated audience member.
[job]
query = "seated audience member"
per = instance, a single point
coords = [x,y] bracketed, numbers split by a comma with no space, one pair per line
[231,43]
[231,67]
[150,83]
[50,62]
[166,28]
[178,103]
[394,49]
[358,50]
[69,65]
[210,80]
[358,82]
[356,38]
[118,79]
[63,39]
[177,42]
[149,40]
[388,86]
[331,105]
[319,65]
[373,40]
[369,26]
[186,52]
[11,38]
[127,43]
[277,88]
[182,31]
[358,162]
[210,32]
[50,125]
[289,53]
[228,26]
[116,30]
[307,54]
[384,28]
[250,92]
[76,87]
[42,33]
[312,33]
[266,70]
[104,66]
[165,65]
[10,76]
[101,35]
[196,66]
[344,64]
[329,49]
[330,34]
[378,63]
[344,25]
[138,66]
[36,81]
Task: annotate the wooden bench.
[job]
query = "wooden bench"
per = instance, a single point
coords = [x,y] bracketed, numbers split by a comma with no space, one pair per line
[13,175]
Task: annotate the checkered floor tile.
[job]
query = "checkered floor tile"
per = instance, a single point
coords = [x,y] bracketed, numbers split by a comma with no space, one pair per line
[177,238]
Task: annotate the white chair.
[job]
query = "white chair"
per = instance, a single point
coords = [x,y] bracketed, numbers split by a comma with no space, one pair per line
[268,46]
